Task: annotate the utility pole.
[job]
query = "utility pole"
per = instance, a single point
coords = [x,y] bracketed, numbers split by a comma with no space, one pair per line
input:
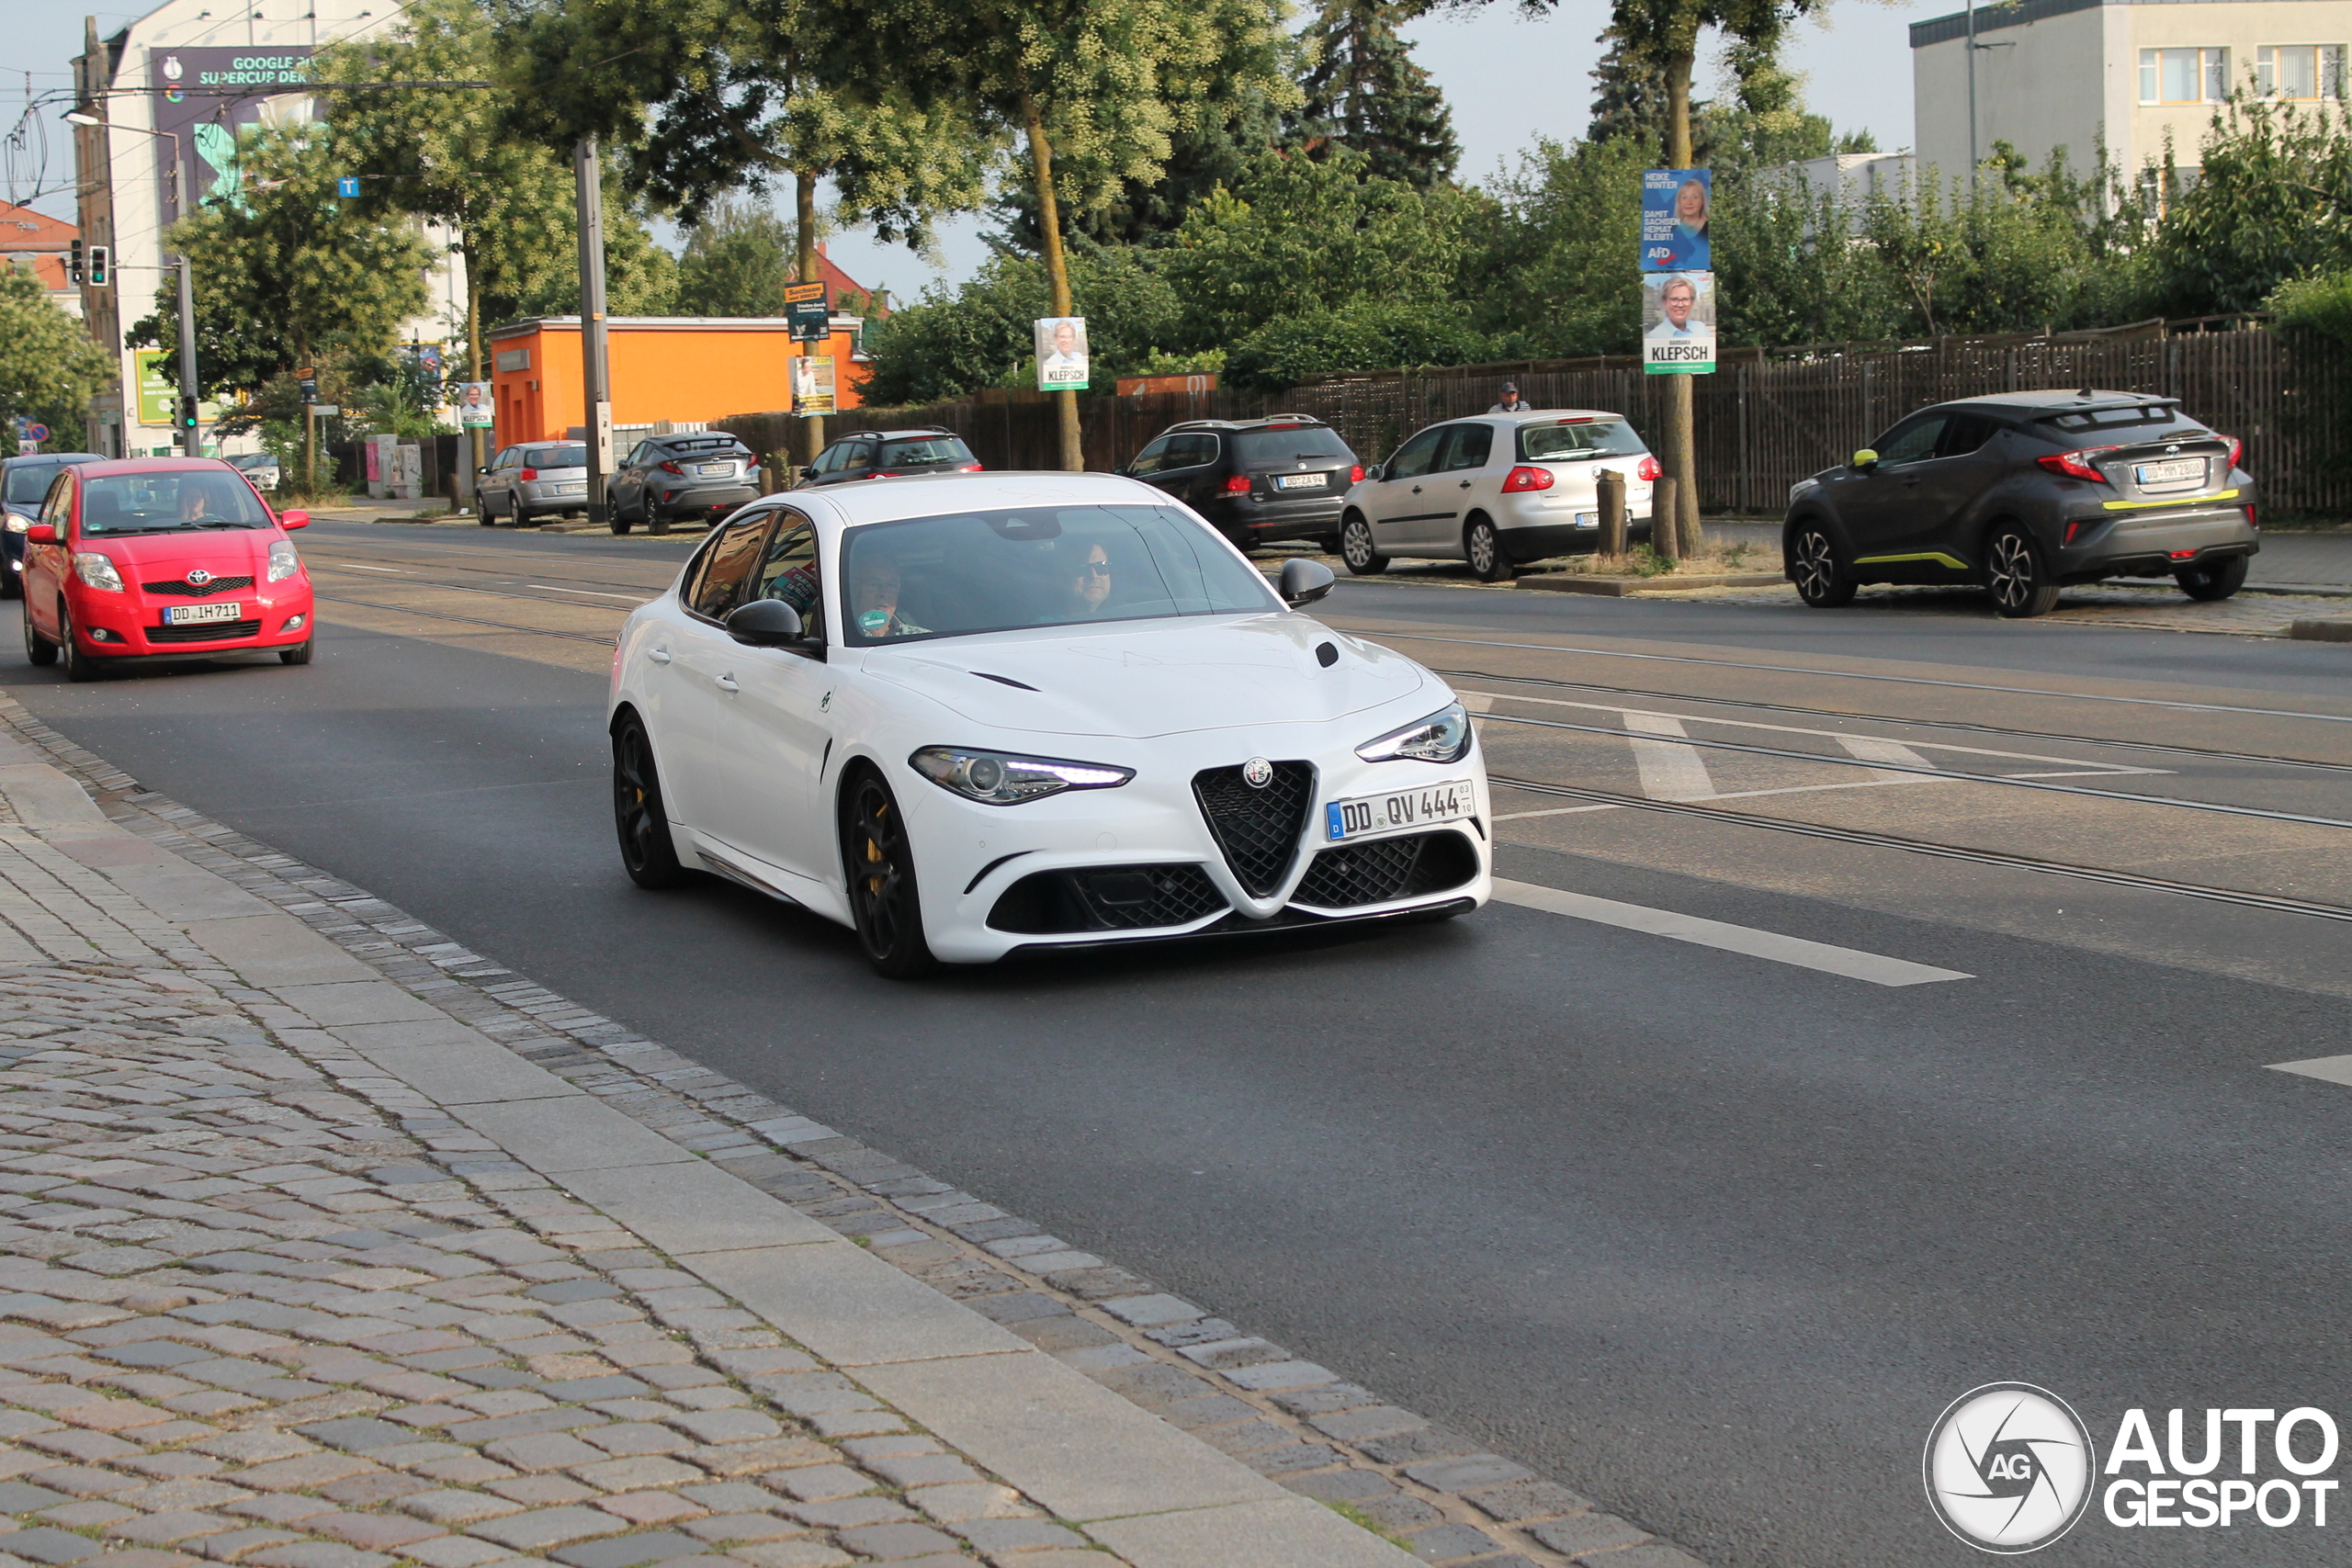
[191,439]
[595,374]
[1972,97]
[1679,527]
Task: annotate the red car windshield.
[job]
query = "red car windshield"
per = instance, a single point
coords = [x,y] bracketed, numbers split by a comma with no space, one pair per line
[169,502]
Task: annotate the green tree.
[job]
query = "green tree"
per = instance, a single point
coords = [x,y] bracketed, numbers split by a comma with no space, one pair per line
[1554,264]
[1365,336]
[737,261]
[2272,202]
[49,366]
[1365,91]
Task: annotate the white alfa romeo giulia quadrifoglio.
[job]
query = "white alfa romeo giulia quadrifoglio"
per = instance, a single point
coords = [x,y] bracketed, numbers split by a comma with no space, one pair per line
[976,713]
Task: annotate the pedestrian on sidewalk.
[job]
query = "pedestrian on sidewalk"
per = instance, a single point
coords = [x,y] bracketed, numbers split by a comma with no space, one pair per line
[1512,402]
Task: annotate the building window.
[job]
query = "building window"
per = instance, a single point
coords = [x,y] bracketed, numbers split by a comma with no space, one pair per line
[2183,75]
[2300,71]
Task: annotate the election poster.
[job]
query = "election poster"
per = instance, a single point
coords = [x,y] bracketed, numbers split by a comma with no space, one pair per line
[812,384]
[1061,353]
[1678,324]
[1676,204]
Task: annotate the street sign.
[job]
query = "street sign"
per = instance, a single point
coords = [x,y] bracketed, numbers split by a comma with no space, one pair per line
[309,389]
[812,384]
[36,431]
[27,448]
[808,310]
[347,187]
[326,410]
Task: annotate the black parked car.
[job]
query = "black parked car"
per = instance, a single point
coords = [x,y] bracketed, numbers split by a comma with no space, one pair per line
[886,454]
[668,477]
[1256,481]
[23,482]
[2024,492]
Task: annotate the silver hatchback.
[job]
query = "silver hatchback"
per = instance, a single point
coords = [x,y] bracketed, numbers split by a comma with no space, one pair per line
[534,480]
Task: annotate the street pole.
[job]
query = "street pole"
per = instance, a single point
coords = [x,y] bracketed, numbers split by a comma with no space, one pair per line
[595,374]
[1972,97]
[190,441]
[1673,528]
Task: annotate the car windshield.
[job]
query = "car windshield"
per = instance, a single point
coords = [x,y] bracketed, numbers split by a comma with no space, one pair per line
[255,460]
[28,484]
[2138,419]
[572,456]
[992,572]
[1566,440]
[168,502]
[907,454]
[706,447]
[1289,444]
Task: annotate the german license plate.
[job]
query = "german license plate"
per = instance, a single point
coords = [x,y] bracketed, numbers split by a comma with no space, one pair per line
[2178,471]
[1370,814]
[1588,519]
[1302,482]
[577,486]
[708,469]
[198,614]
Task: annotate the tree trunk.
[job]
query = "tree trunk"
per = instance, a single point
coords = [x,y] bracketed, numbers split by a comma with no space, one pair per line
[1668,535]
[1049,227]
[804,205]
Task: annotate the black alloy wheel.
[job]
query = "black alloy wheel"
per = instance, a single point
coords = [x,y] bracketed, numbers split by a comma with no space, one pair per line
[79,666]
[881,866]
[613,517]
[2212,580]
[1355,547]
[299,654]
[640,817]
[1483,547]
[38,649]
[2020,585]
[1822,579]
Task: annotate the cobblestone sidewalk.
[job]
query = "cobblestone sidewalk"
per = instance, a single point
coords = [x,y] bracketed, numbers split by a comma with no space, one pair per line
[594,1348]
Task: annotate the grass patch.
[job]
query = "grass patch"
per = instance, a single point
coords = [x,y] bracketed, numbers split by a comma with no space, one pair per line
[1363,1521]
[1644,561]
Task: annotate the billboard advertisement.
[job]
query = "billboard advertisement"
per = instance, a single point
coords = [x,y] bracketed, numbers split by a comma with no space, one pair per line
[1676,205]
[209,98]
[1678,324]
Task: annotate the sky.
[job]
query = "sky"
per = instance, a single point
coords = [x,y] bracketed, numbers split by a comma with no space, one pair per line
[1508,79]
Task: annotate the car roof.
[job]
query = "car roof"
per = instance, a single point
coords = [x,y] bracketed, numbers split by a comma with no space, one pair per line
[2055,401]
[907,434]
[106,467]
[1260,423]
[31,458]
[931,495]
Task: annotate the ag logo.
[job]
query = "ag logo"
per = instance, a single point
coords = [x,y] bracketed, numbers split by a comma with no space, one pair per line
[1256,772]
[2008,1468]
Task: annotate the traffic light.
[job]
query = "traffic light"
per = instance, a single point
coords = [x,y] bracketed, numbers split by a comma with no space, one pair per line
[73,264]
[187,413]
[100,275]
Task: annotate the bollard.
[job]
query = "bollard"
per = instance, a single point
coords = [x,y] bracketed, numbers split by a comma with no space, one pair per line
[1612,499]
[1664,533]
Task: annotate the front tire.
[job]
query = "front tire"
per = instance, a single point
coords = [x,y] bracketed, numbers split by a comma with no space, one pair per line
[2021,584]
[880,870]
[640,817]
[1355,548]
[1482,548]
[2210,581]
[79,665]
[297,654]
[1823,579]
[613,517]
[38,649]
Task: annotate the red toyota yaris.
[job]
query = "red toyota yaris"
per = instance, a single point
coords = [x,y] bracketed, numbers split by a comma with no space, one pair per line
[161,557]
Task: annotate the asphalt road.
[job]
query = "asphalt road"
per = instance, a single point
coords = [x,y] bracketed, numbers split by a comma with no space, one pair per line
[1711,1238]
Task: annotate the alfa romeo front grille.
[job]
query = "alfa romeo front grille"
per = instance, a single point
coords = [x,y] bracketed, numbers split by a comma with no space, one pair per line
[1257,829]
[1106,898]
[1347,877]
[210,631]
[181,589]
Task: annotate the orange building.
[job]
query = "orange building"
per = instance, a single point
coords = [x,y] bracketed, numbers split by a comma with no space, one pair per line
[682,368]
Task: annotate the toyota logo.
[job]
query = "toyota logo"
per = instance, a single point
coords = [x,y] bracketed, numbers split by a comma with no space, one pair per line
[1256,772]
[199,578]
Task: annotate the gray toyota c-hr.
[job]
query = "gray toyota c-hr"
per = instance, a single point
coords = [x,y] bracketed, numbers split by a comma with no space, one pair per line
[2023,493]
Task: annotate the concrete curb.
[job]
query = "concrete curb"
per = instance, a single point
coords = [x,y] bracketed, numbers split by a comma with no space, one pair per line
[1627,587]
[1284,1418]
[2332,629]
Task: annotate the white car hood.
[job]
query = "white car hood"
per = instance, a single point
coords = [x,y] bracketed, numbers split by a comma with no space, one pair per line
[1137,680]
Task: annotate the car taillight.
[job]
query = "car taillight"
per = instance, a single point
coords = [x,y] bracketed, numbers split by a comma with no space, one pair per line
[530,474]
[1237,484]
[2249,516]
[2238,450]
[1647,468]
[671,468]
[1524,477]
[882,474]
[2076,465]
[969,469]
[1355,475]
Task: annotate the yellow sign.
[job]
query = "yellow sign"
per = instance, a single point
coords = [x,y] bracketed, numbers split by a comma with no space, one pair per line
[812,384]
[158,393]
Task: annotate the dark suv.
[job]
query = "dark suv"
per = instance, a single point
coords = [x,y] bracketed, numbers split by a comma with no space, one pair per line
[886,454]
[2025,492]
[1256,481]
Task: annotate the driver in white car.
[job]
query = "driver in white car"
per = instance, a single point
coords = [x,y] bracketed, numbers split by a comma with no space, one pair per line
[874,584]
[1086,584]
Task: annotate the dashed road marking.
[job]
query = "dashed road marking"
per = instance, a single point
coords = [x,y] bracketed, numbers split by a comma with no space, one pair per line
[1669,772]
[2335,1069]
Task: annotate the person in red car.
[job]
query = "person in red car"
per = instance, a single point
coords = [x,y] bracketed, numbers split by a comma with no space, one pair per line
[160,558]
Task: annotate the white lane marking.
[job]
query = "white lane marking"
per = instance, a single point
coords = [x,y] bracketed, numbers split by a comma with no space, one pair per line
[1871,749]
[1880,783]
[1477,701]
[355,566]
[1669,772]
[554,588]
[1851,962]
[2335,1069]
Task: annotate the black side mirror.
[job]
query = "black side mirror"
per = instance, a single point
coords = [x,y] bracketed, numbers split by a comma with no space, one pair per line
[765,623]
[1304,581]
[1377,471]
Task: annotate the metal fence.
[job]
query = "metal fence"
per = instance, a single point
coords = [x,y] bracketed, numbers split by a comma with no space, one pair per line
[1768,418]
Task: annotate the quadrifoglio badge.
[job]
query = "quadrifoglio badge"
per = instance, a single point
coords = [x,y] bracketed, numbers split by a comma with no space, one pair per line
[2009,1467]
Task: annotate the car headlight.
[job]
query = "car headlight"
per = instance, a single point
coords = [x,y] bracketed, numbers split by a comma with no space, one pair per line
[283,562]
[1008,778]
[98,571]
[1443,737]
[18,521]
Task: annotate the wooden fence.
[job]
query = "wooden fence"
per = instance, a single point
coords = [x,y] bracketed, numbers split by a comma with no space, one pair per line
[1767,418]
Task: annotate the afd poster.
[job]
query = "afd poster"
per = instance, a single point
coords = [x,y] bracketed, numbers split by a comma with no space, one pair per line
[1676,204]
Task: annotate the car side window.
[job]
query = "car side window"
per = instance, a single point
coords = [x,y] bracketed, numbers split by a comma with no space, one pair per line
[1468,447]
[58,505]
[857,454]
[789,572]
[1966,433]
[730,567]
[1913,440]
[1151,460]
[1200,450]
[636,456]
[1412,460]
[827,460]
